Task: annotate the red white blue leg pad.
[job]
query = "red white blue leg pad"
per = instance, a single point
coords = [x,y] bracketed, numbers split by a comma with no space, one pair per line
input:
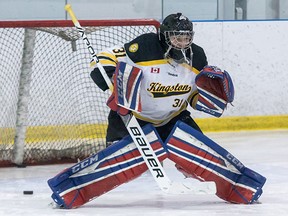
[199,157]
[101,172]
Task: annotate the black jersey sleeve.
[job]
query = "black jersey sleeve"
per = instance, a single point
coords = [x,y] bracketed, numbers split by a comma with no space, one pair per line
[199,57]
[98,78]
[108,59]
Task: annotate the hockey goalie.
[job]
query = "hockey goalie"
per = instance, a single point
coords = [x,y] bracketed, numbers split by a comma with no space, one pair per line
[156,77]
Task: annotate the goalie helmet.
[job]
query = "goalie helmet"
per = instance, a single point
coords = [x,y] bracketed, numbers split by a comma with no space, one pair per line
[176,34]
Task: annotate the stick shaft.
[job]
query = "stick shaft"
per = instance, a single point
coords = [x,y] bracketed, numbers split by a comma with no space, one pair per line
[95,59]
[130,121]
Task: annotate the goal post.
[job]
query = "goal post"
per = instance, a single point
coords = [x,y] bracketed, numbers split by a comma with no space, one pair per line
[51,110]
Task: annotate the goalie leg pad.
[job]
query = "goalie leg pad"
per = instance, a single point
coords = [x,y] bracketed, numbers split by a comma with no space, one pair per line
[199,157]
[100,173]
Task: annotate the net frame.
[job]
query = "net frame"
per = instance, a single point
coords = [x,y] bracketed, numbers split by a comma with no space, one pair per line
[22,142]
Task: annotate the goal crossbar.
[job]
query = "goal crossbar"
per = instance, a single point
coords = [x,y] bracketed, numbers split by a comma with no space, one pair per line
[68,23]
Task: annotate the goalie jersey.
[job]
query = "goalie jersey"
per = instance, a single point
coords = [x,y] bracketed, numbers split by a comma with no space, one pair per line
[167,87]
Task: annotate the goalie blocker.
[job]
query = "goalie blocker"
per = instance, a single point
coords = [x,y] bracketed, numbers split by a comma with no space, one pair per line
[195,156]
[126,95]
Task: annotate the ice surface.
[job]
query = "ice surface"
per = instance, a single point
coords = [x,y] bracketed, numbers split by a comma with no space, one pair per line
[264,151]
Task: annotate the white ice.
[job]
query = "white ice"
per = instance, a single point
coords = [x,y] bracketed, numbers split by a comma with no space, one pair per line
[264,151]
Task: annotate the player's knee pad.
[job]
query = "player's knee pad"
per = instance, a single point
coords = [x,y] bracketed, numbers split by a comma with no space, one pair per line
[199,157]
[100,173]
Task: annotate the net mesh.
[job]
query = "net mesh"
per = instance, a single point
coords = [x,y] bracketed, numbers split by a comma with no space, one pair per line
[66,112]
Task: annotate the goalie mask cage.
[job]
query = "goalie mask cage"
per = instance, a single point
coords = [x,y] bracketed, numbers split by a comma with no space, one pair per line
[51,110]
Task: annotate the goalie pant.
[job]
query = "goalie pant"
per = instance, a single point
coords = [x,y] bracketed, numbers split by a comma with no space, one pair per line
[195,156]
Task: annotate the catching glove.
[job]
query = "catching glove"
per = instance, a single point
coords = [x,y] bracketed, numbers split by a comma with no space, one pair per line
[215,90]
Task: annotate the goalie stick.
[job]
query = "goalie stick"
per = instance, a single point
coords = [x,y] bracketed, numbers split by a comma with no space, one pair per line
[134,129]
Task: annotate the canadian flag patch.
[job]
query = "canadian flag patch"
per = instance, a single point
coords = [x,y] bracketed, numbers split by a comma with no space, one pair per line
[155,70]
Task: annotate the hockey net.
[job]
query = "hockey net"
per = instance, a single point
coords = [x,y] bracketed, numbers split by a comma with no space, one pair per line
[51,110]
